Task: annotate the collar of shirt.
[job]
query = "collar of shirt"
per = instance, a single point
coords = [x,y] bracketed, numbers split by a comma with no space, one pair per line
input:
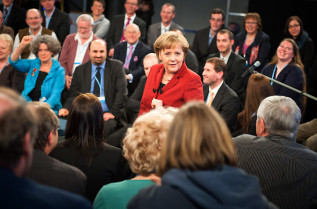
[87,42]
[133,45]
[38,34]
[50,15]
[166,28]
[48,18]
[215,90]
[9,8]
[226,58]
[126,19]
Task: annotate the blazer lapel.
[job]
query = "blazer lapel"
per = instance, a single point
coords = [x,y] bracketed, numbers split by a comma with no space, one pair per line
[230,61]
[87,76]
[217,100]
[206,91]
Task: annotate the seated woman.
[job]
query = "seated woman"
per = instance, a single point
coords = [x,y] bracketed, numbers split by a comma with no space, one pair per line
[197,166]
[45,78]
[9,76]
[171,83]
[287,67]
[84,147]
[141,147]
[253,44]
[259,87]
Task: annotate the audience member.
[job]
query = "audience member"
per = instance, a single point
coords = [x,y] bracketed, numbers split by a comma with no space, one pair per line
[218,94]
[170,83]
[190,58]
[287,67]
[204,42]
[105,79]
[197,166]
[142,148]
[45,77]
[55,19]
[146,11]
[235,27]
[286,169]
[9,76]
[253,44]
[102,24]
[259,87]
[235,63]
[167,15]
[5,29]
[14,16]
[307,134]
[47,170]
[17,134]
[84,145]
[131,52]
[120,22]
[35,29]
[75,49]
[133,104]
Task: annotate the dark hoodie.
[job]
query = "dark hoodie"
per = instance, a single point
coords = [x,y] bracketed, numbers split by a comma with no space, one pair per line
[223,188]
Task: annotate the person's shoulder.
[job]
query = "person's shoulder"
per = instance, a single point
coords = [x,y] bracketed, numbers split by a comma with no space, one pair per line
[240,36]
[154,26]
[264,36]
[67,169]
[246,139]
[236,57]
[70,37]
[61,13]
[230,93]
[139,21]
[203,31]
[114,63]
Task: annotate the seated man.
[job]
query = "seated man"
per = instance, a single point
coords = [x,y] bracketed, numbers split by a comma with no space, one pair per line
[131,52]
[286,170]
[104,78]
[47,170]
[218,94]
[17,132]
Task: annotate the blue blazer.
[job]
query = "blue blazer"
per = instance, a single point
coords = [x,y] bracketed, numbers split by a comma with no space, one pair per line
[52,86]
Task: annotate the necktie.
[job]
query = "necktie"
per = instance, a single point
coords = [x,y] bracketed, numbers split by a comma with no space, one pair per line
[127,60]
[123,37]
[211,96]
[96,85]
[5,12]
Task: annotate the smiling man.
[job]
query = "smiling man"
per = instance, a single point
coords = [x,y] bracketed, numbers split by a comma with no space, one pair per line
[155,30]
[34,21]
[131,53]
[218,94]
[102,24]
[104,78]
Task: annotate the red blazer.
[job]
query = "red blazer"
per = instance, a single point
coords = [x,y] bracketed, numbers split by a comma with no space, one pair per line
[68,53]
[184,86]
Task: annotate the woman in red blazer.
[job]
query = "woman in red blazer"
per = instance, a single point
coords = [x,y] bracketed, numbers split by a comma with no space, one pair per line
[170,83]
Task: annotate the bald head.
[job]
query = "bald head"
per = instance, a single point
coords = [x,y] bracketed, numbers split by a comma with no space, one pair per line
[132,33]
[148,61]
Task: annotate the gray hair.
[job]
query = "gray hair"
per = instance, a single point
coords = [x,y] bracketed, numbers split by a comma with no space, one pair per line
[281,116]
[53,44]
[85,17]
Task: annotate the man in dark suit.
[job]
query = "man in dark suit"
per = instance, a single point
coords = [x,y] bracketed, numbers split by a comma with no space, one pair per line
[14,16]
[204,42]
[131,52]
[235,63]
[17,134]
[218,94]
[55,20]
[120,22]
[155,30]
[106,79]
[286,170]
[47,170]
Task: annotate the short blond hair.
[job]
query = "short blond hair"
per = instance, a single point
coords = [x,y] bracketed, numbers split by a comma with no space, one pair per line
[169,40]
[198,139]
[143,142]
[7,38]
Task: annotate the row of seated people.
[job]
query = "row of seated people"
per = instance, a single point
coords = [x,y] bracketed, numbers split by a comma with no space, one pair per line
[179,158]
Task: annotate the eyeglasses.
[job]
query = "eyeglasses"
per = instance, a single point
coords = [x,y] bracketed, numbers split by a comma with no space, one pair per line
[293,26]
[132,4]
[33,18]
[251,23]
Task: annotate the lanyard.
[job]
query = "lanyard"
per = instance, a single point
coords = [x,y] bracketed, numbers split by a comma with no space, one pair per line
[274,72]
[99,84]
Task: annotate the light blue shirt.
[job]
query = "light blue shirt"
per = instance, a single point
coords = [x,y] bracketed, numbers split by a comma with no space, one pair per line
[210,38]
[48,19]
[104,105]
[126,58]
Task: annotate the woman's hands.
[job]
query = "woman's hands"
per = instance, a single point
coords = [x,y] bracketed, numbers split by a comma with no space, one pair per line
[156,103]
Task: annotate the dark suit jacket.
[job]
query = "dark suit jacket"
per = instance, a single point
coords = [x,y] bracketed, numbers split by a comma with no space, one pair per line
[49,171]
[286,170]
[136,63]
[116,29]
[226,102]
[68,53]
[201,48]
[59,23]
[12,78]
[103,166]
[16,18]
[233,78]
[115,85]
[19,192]
[184,86]
[155,31]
